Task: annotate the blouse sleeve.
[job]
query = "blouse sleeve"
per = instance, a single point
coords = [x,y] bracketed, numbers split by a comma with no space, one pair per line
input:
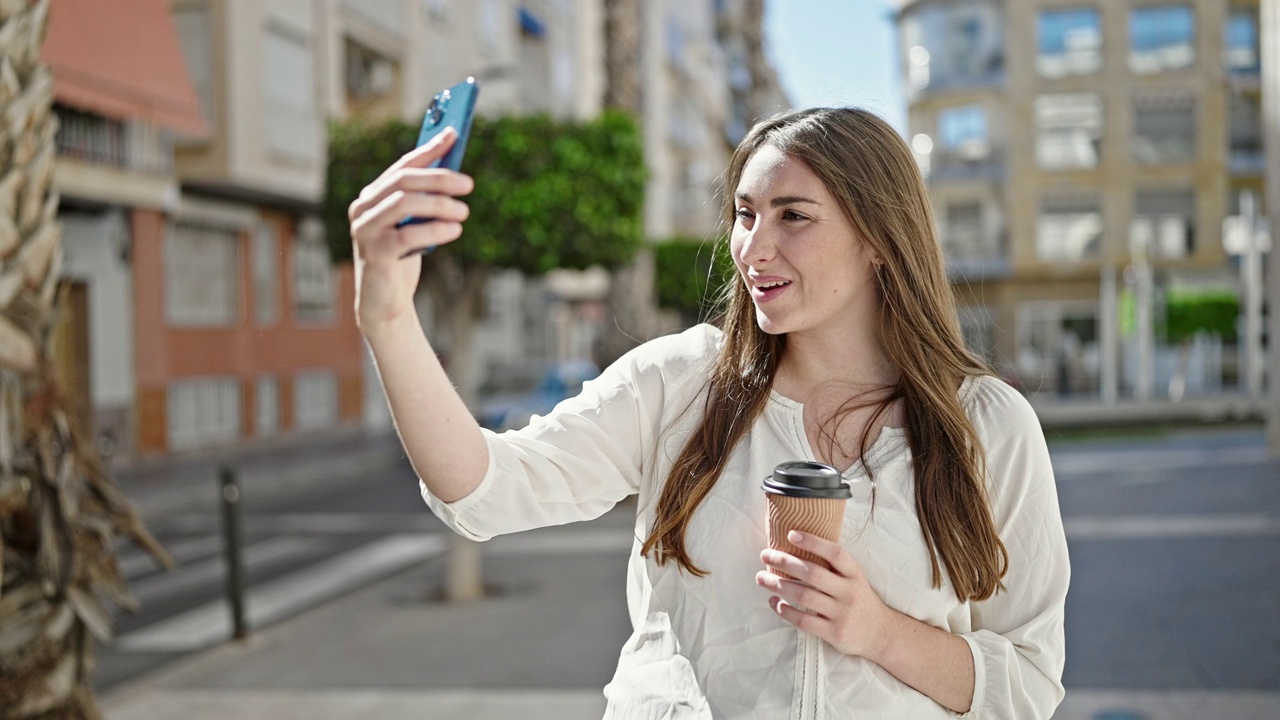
[584,456]
[1017,641]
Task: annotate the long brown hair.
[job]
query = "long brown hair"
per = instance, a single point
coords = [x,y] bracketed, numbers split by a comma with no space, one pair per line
[869,169]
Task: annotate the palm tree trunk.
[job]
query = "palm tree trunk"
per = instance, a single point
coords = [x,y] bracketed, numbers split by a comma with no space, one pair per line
[59,512]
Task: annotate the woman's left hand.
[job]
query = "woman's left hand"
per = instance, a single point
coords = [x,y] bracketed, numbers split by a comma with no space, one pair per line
[842,607]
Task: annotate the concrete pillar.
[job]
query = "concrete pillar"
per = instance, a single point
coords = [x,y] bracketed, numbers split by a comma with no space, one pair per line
[1109,335]
[1269,32]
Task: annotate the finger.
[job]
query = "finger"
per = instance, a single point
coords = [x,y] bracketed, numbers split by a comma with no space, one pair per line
[431,181]
[813,624]
[806,572]
[373,224]
[428,152]
[800,595]
[834,553]
[413,238]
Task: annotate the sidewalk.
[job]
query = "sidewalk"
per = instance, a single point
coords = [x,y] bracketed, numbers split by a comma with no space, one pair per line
[267,470]
[543,645]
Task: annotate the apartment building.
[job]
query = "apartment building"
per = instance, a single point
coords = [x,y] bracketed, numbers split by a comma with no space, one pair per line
[1083,159]
[120,106]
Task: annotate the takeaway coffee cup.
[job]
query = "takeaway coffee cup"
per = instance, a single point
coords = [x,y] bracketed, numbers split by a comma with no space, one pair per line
[804,496]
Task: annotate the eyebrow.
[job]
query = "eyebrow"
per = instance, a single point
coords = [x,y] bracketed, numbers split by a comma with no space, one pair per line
[780,201]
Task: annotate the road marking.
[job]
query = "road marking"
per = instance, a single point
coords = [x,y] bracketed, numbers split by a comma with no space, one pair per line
[210,623]
[1160,704]
[1115,462]
[136,562]
[186,578]
[1133,527]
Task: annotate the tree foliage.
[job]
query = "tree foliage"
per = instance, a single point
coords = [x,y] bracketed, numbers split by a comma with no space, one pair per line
[689,273]
[549,193]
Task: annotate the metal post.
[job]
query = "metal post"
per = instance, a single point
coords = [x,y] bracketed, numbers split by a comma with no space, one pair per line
[231,529]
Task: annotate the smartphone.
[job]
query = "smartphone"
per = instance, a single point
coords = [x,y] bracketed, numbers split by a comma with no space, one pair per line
[454,107]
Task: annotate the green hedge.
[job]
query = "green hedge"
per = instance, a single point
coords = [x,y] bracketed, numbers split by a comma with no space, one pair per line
[689,273]
[1189,313]
[549,193]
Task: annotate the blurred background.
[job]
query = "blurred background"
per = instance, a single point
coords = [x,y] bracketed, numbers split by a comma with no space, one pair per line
[1100,182]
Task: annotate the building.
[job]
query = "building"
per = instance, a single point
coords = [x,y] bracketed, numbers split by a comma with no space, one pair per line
[1083,159]
[120,105]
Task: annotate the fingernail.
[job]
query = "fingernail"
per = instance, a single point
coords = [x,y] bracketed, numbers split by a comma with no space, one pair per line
[795,536]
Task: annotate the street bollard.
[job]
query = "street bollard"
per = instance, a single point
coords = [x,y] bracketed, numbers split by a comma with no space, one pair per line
[231,543]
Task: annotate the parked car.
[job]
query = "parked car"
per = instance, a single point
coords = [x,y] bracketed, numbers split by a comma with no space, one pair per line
[511,396]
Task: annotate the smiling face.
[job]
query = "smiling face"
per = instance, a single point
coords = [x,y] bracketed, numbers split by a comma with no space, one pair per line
[805,266]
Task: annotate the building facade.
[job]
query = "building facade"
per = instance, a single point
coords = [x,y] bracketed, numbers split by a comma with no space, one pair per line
[1088,162]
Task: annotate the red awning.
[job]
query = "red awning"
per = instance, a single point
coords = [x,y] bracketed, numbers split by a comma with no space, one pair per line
[122,59]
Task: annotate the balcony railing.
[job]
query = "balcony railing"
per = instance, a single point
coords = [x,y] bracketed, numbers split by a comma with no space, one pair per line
[131,144]
[956,167]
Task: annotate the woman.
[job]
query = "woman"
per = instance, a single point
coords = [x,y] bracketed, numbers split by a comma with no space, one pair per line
[838,342]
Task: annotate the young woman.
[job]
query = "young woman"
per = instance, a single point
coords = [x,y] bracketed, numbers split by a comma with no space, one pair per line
[838,342]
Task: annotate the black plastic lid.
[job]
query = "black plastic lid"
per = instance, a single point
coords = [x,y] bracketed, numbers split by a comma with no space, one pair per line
[802,478]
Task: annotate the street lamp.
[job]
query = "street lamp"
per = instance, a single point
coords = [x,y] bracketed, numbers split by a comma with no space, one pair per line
[1269,34]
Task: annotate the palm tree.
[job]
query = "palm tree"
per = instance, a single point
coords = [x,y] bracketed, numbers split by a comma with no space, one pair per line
[59,511]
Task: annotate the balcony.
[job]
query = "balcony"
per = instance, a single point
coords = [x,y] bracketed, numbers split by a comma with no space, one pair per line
[127,144]
[973,255]
[955,167]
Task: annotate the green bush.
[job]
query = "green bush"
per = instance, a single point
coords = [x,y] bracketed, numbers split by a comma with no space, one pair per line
[549,193]
[1189,313]
[689,273]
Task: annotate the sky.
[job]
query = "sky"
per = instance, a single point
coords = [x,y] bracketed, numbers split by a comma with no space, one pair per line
[837,52]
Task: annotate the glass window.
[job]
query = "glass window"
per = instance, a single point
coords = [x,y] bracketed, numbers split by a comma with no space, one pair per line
[195,31]
[1163,223]
[202,275]
[314,290]
[266,400]
[1245,119]
[963,238]
[1161,38]
[1164,129]
[1068,130]
[315,399]
[266,275]
[979,331]
[202,412]
[1058,348]
[1070,42]
[289,110]
[1069,228]
[963,131]
[1241,41]
[954,44]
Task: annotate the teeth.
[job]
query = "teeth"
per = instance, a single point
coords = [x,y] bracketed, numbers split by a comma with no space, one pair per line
[777,283]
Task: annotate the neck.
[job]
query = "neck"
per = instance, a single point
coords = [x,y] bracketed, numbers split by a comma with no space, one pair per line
[814,360]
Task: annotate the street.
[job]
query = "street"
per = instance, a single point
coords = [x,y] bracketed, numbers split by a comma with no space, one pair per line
[1175,594]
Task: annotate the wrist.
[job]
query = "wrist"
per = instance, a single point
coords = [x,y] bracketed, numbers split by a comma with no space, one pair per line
[375,331]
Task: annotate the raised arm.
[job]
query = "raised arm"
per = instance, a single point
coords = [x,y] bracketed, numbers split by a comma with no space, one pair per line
[442,439]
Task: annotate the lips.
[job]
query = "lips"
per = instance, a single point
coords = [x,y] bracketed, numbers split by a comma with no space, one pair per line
[766,289]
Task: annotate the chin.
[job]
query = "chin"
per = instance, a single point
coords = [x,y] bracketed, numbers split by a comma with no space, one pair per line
[769,326]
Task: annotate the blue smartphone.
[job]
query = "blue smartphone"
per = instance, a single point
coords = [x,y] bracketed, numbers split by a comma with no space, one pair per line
[454,107]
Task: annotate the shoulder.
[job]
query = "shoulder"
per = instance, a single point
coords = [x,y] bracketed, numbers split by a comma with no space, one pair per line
[992,403]
[677,354]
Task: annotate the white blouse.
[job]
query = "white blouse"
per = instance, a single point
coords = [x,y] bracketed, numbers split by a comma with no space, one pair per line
[711,647]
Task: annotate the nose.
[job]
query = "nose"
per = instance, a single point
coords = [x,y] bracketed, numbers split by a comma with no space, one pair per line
[758,245]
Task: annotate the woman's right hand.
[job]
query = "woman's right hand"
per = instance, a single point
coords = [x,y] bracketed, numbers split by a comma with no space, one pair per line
[385,278]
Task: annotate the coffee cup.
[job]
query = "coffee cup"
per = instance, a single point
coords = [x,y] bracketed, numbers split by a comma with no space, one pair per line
[805,496]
